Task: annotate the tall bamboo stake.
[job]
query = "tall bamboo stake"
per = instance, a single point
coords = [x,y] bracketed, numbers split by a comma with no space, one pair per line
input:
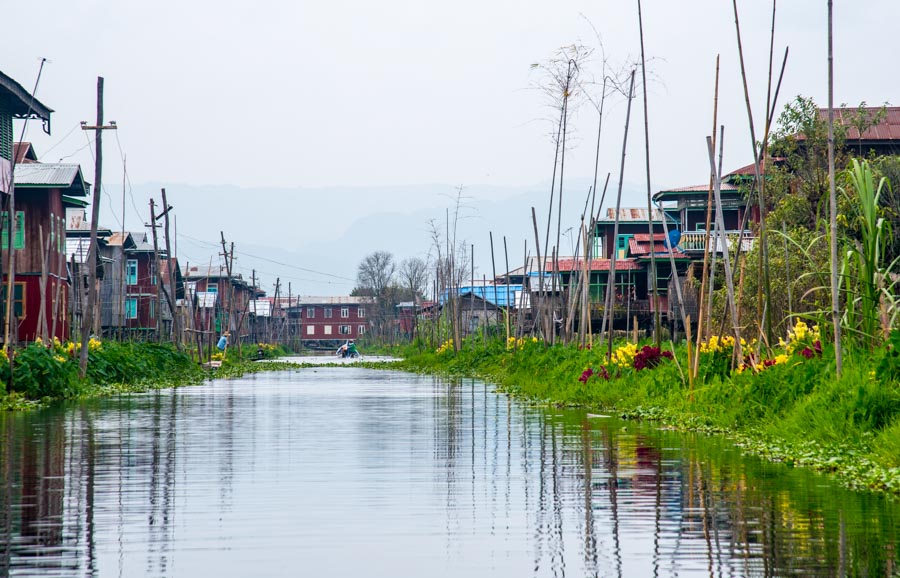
[720,234]
[524,277]
[764,296]
[706,236]
[611,280]
[653,280]
[832,198]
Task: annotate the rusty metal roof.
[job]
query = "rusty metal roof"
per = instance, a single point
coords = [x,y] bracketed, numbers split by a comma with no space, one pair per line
[631,214]
[23,152]
[886,130]
[599,265]
[67,177]
[641,248]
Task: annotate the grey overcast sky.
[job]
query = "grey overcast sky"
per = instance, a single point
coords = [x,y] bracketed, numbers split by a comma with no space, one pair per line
[308,95]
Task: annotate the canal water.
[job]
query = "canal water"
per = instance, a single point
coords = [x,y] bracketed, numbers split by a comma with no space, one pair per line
[358,472]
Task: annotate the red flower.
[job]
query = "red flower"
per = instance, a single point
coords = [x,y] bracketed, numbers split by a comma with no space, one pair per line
[586,375]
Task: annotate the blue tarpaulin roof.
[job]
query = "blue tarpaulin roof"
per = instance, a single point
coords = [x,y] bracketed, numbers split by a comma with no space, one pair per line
[494,294]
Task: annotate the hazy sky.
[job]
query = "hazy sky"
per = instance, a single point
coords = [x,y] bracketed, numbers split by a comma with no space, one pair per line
[308,95]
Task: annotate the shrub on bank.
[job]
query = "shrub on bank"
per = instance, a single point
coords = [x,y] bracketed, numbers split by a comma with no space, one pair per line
[51,370]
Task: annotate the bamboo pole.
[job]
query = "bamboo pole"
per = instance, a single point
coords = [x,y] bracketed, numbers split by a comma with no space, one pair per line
[611,280]
[705,278]
[764,295]
[524,277]
[720,233]
[832,199]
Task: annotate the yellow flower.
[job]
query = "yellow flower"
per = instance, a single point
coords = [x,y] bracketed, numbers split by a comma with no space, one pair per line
[59,358]
[781,359]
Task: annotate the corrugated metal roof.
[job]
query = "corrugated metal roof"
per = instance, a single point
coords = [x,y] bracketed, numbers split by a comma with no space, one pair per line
[49,174]
[640,248]
[338,300]
[600,264]
[631,214]
[887,129]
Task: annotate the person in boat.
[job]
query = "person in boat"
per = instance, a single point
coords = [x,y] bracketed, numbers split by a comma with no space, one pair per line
[342,350]
[351,350]
[222,344]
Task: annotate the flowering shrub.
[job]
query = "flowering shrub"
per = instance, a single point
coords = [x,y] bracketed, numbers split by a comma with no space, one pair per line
[803,338]
[649,357]
[624,355]
[589,372]
[513,343]
[445,347]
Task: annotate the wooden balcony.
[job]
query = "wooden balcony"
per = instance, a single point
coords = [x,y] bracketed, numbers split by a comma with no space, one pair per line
[693,241]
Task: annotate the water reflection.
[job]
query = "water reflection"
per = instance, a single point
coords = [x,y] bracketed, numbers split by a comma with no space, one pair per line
[353,472]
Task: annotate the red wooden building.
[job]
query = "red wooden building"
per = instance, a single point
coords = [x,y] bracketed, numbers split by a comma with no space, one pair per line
[43,190]
[327,321]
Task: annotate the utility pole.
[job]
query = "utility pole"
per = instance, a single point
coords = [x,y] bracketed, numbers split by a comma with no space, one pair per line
[158,308]
[160,286]
[172,297]
[88,312]
[255,306]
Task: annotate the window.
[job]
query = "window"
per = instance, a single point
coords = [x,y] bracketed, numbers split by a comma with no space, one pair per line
[212,287]
[344,329]
[18,299]
[310,329]
[131,309]
[328,330]
[328,313]
[361,312]
[361,330]
[153,310]
[131,273]
[622,246]
[310,312]
[20,230]
[345,312]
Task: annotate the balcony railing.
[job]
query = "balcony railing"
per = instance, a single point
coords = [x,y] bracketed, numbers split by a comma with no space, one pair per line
[693,241]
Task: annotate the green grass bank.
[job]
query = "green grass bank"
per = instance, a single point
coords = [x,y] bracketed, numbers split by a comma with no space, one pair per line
[787,406]
[44,373]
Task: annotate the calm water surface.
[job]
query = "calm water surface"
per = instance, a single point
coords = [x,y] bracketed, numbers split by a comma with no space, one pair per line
[356,472]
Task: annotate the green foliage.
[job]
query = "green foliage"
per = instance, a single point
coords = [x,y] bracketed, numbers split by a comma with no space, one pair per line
[43,372]
[866,256]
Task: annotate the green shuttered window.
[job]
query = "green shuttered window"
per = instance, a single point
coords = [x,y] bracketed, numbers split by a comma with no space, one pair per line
[20,230]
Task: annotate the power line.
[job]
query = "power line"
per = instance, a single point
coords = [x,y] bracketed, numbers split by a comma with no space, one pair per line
[273,261]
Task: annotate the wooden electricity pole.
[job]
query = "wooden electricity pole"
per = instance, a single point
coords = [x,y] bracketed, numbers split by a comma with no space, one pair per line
[172,297]
[88,309]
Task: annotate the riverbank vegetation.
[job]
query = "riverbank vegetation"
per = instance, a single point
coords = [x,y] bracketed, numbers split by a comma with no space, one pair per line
[42,372]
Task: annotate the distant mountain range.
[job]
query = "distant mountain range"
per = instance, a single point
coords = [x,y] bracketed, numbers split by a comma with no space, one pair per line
[315,238]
